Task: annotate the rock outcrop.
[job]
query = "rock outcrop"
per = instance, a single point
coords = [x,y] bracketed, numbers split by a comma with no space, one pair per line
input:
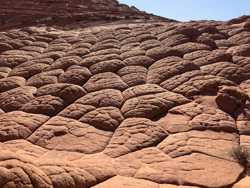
[98,94]
[60,12]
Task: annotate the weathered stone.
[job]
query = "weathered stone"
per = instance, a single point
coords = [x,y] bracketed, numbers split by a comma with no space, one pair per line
[68,92]
[106,80]
[244,183]
[104,118]
[154,165]
[15,98]
[18,124]
[152,106]
[134,134]
[198,117]
[70,135]
[231,100]
[95,93]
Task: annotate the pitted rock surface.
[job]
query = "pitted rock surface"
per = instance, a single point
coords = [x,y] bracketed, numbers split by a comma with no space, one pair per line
[103,95]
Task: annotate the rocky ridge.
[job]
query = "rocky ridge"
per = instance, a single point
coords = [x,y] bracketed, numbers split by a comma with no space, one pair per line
[65,12]
[127,103]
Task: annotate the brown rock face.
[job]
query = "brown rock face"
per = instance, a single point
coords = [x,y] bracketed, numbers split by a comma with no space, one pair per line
[103,95]
[231,100]
[26,12]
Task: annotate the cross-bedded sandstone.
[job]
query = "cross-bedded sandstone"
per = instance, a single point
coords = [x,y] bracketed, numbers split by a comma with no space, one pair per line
[104,95]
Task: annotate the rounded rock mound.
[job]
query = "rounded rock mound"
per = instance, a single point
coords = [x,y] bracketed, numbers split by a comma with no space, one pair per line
[96,94]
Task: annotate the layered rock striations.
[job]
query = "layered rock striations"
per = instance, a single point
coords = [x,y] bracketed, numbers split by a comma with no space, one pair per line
[64,12]
[139,102]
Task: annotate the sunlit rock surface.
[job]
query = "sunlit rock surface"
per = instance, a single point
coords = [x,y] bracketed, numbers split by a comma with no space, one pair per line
[98,94]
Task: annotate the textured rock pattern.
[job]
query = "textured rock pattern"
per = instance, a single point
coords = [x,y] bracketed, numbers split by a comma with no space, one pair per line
[153,104]
[28,12]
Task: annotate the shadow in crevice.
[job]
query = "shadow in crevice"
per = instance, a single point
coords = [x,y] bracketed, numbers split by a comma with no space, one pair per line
[159,116]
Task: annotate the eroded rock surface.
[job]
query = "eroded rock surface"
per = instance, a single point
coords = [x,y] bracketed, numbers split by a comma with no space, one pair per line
[119,98]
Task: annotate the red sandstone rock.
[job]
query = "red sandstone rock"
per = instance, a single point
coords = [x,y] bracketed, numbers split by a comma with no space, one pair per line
[104,95]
